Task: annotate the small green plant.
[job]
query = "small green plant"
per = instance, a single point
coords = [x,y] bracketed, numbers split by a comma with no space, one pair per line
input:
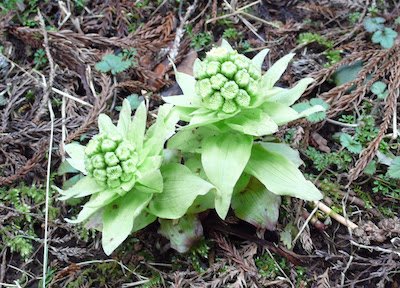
[381,34]
[230,33]
[332,55]
[379,89]
[315,117]
[40,58]
[350,144]
[128,184]
[134,101]
[229,103]
[200,40]
[116,63]
[354,16]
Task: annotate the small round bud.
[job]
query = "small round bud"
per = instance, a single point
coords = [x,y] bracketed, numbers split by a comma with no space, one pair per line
[213,67]
[114,172]
[128,166]
[242,78]
[92,147]
[252,88]
[199,69]
[88,164]
[116,137]
[108,145]
[123,151]
[98,161]
[229,90]
[100,174]
[203,88]
[228,69]
[229,107]
[254,72]
[243,99]
[217,81]
[241,61]
[214,102]
[113,183]
[111,159]
[218,54]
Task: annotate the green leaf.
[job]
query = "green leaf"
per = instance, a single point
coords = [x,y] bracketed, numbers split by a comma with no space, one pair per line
[385,37]
[371,168]
[84,187]
[134,101]
[288,234]
[181,187]
[288,96]
[350,144]
[373,24]
[152,182]
[282,114]
[182,233]
[97,201]
[65,168]
[119,218]
[113,63]
[190,141]
[138,127]
[160,131]
[77,153]
[142,220]
[314,117]
[106,125]
[275,72]
[285,150]
[224,158]
[378,87]
[279,175]
[394,169]
[258,60]
[124,122]
[256,205]
[171,156]
[253,122]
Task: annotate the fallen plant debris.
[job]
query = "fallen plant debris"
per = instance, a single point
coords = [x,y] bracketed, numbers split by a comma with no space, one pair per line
[48,54]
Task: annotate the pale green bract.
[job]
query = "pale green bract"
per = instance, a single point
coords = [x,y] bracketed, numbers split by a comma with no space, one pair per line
[229,103]
[128,185]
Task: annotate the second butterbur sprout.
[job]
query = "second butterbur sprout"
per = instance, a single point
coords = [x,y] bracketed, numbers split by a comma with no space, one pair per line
[110,159]
[226,80]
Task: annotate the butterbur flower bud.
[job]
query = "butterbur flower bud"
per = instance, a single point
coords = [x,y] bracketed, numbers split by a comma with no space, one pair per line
[110,159]
[221,75]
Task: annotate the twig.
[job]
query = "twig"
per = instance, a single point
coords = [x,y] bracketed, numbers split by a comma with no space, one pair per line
[3,266]
[334,215]
[341,123]
[49,84]
[46,219]
[304,225]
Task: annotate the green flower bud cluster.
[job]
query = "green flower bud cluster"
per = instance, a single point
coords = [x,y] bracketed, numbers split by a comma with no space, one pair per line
[110,159]
[226,80]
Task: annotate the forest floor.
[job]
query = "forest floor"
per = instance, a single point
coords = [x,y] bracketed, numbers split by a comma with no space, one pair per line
[51,94]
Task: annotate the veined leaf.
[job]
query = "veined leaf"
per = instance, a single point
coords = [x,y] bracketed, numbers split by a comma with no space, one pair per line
[253,122]
[279,175]
[224,158]
[181,187]
[77,153]
[275,72]
[182,233]
[124,122]
[106,125]
[84,187]
[350,144]
[258,60]
[394,169]
[256,205]
[113,63]
[119,218]
[190,141]
[285,150]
